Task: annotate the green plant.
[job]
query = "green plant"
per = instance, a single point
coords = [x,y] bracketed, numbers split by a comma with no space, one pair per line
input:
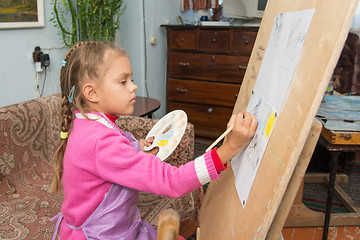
[89,19]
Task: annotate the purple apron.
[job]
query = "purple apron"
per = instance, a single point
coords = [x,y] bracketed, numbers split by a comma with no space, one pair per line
[117,217]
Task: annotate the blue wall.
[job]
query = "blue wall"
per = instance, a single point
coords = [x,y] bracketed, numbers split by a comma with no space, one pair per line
[17,70]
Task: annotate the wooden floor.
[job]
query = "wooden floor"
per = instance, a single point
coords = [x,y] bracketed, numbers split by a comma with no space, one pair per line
[315,233]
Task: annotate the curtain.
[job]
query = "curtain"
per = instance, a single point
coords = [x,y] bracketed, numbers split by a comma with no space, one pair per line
[199,4]
[355,25]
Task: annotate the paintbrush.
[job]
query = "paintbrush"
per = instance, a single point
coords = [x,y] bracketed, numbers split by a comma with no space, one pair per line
[220,138]
[227,131]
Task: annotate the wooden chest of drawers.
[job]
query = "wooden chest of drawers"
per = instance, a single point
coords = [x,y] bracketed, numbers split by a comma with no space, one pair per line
[205,68]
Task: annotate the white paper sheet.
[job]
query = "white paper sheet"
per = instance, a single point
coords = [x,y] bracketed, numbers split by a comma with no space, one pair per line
[280,60]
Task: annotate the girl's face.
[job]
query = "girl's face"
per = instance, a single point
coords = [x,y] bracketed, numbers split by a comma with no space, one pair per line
[116,90]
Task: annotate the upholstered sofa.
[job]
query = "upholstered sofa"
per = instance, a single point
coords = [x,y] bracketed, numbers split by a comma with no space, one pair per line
[29,135]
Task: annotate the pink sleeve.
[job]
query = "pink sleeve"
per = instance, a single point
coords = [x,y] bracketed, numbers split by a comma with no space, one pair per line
[120,163]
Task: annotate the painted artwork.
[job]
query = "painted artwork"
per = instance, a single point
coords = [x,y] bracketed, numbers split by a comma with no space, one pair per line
[21,13]
[270,92]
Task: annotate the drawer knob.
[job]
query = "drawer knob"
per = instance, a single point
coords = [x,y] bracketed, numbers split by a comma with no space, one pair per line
[246,42]
[242,67]
[185,64]
[236,95]
[210,110]
[214,40]
[182,39]
[213,58]
[181,90]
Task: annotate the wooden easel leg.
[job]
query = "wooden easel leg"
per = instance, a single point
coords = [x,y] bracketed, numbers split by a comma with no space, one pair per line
[198,233]
[168,225]
[295,181]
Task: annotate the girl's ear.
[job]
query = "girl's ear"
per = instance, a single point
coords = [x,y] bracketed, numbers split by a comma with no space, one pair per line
[89,92]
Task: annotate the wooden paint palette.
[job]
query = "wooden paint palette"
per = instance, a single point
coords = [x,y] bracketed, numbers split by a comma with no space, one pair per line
[167,133]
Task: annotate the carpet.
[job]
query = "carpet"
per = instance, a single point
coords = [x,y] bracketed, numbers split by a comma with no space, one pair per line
[315,194]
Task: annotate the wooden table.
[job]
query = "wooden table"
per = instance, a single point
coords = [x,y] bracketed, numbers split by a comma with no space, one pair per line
[145,106]
[340,116]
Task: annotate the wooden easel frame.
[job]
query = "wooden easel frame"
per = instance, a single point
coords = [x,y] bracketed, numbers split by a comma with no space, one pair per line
[294,184]
[222,215]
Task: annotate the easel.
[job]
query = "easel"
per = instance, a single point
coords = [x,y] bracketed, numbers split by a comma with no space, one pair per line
[168,223]
[295,183]
[222,215]
[340,133]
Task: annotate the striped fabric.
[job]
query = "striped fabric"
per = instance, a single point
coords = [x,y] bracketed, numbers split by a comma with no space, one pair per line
[199,4]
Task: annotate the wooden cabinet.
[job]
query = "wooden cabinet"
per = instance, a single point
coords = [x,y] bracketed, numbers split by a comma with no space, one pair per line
[205,68]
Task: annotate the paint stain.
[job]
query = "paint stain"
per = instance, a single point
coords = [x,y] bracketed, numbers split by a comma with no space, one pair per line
[270,124]
[166,135]
[162,143]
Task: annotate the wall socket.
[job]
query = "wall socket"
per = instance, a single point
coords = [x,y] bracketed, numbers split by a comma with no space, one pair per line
[36,58]
[40,59]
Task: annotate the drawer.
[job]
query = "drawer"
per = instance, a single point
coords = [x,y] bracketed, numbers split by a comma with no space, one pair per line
[209,121]
[223,94]
[242,42]
[184,39]
[216,41]
[211,67]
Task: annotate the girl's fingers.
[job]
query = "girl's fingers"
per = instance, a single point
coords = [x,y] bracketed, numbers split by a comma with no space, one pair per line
[254,123]
[149,141]
[154,151]
[247,120]
[231,121]
[239,119]
[243,121]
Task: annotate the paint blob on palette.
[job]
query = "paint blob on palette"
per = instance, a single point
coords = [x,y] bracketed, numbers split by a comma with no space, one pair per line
[167,133]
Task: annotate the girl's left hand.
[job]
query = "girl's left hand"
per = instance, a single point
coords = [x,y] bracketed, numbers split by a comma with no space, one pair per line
[147,143]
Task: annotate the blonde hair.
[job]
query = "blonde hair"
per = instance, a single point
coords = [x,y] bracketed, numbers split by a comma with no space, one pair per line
[84,61]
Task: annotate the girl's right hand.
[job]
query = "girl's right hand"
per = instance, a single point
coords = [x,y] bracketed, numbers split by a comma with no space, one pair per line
[244,128]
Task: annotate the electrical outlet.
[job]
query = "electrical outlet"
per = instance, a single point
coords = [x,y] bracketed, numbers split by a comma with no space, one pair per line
[36,57]
[45,60]
[36,54]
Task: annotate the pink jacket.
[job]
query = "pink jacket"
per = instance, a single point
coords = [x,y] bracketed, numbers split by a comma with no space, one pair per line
[97,156]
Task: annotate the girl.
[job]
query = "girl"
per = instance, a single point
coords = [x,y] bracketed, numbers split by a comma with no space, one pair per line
[102,168]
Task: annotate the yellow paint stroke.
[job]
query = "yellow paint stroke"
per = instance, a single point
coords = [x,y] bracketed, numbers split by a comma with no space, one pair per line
[162,143]
[270,125]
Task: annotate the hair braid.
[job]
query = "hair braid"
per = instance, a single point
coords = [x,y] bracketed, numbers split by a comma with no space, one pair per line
[67,117]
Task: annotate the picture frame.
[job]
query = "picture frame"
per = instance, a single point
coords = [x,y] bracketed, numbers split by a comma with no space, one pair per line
[21,14]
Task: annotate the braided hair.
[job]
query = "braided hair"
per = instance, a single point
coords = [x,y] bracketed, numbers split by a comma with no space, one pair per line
[85,61]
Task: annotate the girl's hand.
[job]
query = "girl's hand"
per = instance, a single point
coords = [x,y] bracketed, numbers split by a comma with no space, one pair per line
[147,143]
[244,128]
